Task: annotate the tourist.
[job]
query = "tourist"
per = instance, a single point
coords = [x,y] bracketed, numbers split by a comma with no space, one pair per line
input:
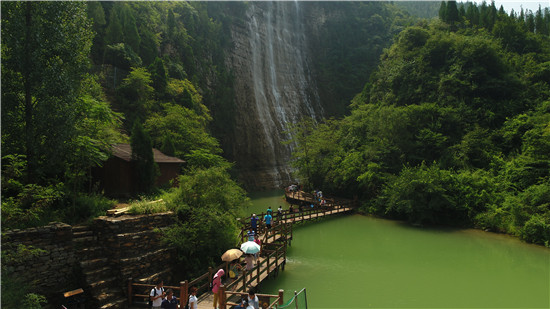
[157,294]
[267,219]
[234,269]
[254,223]
[253,299]
[291,212]
[193,301]
[170,302]
[269,211]
[250,234]
[259,243]
[216,283]
[249,259]
[243,304]
[280,213]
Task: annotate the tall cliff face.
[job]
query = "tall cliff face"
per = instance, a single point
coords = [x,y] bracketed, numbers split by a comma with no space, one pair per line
[274,89]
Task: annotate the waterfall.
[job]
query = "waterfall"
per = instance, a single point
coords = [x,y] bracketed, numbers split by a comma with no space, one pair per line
[281,90]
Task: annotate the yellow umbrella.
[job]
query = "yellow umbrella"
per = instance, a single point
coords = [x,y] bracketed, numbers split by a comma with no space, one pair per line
[231,254]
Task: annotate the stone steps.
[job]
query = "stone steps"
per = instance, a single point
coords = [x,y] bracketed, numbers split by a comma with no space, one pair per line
[97,274]
[93,264]
[103,288]
[119,303]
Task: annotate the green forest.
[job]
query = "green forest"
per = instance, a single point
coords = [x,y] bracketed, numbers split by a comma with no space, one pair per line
[453,128]
[449,122]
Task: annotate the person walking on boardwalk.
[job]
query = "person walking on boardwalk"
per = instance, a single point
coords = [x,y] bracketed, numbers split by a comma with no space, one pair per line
[249,259]
[250,234]
[216,283]
[171,302]
[269,211]
[157,294]
[253,299]
[280,213]
[254,223]
[259,242]
[193,301]
[234,270]
[267,219]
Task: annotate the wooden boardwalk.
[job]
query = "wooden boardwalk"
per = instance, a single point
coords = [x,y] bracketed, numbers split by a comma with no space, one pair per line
[272,258]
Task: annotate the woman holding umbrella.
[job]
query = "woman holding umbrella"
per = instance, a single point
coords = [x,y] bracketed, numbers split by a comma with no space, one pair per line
[250,248]
[233,255]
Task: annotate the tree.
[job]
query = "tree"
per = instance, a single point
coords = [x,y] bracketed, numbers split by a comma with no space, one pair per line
[443,11]
[134,95]
[159,76]
[97,15]
[113,33]
[451,14]
[130,31]
[540,25]
[45,48]
[149,46]
[472,14]
[530,21]
[142,154]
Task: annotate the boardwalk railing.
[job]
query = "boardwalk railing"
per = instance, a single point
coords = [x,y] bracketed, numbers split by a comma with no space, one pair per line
[265,299]
[138,293]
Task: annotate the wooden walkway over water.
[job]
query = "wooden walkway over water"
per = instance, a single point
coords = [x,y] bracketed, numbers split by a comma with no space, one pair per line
[271,260]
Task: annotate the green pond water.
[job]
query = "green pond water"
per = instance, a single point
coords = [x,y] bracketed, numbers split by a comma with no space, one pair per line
[354,261]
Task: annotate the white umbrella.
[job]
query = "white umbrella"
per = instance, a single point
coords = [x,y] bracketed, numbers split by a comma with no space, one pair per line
[250,247]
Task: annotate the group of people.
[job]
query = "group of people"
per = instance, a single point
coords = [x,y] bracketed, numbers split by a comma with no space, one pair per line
[165,299]
[250,302]
[160,298]
[267,219]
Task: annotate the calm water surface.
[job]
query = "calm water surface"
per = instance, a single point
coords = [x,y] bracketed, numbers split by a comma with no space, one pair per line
[362,262]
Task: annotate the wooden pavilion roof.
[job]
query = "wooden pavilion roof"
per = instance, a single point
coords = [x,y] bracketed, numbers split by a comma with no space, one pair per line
[124,152]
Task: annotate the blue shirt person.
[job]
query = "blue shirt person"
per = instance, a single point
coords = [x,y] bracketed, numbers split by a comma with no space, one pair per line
[254,223]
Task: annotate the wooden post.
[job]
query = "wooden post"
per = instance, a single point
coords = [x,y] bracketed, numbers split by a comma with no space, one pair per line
[222,296]
[268,256]
[281,293]
[130,291]
[276,259]
[258,273]
[295,301]
[210,273]
[183,293]
[245,274]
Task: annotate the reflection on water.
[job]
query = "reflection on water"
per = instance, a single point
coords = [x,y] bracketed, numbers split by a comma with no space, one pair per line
[362,262]
[260,201]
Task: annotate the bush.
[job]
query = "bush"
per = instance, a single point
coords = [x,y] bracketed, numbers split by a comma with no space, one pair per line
[424,195]
[206,205]
[536,230]
[147,206]
[86,207]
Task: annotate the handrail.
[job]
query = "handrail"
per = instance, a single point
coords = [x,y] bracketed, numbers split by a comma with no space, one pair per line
[182,288]
[278,298]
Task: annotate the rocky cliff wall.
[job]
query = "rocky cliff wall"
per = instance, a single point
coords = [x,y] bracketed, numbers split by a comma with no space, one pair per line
[274,89]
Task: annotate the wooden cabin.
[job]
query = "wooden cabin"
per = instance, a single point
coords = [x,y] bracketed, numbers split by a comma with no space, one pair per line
[118,175]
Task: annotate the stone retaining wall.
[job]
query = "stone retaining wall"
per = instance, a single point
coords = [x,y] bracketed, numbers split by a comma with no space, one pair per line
[132,245]
[51,268]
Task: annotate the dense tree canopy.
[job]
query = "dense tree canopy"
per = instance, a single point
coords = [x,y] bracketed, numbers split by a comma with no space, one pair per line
[452,128]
